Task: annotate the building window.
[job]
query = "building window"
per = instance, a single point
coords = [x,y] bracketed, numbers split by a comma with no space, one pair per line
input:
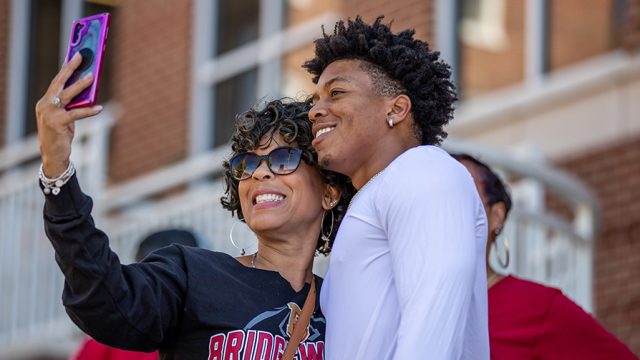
[233,96]
[238,24]
[490,45]
[573,37]
[93,7]
[296,82]
[482,24]
[44,53]
[248,60]
[500,43]
[44,45]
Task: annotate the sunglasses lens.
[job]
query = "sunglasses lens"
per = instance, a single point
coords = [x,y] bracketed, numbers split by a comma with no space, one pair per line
[284,160]
[243,165]
[281,161]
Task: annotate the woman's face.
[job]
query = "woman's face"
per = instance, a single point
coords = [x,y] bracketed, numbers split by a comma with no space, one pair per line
[280,205]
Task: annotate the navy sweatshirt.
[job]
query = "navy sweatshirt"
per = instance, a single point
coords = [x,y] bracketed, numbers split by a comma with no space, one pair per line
[187,302]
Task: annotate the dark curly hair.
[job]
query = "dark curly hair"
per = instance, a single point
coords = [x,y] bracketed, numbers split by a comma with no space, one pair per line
[289,119]
[492,185]
[397,64]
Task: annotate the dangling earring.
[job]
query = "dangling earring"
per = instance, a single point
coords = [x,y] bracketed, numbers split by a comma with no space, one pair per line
[326,237]
[242,252]
[390,121]
[505,242]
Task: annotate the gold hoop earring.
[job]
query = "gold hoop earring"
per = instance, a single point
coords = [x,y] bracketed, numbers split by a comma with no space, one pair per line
[326,238]
[390,121]
[503,264]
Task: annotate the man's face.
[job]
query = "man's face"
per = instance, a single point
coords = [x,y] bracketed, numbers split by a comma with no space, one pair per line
[348,117]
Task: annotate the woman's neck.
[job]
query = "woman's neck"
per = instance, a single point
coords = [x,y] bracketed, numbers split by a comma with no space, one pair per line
[293,263]
[493,277]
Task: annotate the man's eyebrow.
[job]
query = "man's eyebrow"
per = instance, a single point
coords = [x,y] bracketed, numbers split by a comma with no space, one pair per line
[315,95]
[336,79]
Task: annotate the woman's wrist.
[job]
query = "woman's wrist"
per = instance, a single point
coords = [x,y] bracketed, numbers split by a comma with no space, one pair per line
[52,185]
[53,169]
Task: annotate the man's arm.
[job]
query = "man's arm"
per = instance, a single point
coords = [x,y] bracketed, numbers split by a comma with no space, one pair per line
[437,233]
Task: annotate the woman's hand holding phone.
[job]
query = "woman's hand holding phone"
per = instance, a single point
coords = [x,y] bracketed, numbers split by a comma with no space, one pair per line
[72,93]
[56,125]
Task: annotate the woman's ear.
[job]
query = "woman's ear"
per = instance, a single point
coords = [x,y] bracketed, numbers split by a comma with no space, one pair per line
[330,197]
[496,217]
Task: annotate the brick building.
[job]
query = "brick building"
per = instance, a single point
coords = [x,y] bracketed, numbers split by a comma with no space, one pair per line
[553,82]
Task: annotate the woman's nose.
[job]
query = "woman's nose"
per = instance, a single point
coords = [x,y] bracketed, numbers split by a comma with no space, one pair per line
[262,171]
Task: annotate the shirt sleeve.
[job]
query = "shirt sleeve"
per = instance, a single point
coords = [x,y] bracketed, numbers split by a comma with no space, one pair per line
[134,307]
[436,229]
[569,332]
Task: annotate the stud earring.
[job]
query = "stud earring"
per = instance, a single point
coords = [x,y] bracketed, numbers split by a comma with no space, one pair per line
[390,121]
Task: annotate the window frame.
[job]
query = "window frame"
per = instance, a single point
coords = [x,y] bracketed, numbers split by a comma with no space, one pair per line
[275,40]
[18,64]
[535,38]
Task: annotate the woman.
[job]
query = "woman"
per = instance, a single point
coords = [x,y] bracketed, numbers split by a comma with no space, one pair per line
[192,303]
[529,320]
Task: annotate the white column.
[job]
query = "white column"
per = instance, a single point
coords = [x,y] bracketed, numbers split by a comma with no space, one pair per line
[201,129]
[71,10]
[269,72]
[536,41]
[18,78]
[583,224]
[446,34]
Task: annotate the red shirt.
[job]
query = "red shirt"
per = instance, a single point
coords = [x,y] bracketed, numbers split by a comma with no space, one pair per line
[531,321]
[93,350]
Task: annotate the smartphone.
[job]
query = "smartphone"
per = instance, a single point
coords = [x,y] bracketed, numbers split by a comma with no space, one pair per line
[89,38]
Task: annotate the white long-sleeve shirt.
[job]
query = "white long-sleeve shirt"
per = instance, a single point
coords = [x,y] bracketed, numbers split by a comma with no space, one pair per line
[406,277]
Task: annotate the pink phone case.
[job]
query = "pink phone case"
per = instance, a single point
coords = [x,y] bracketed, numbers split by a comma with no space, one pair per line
[89,37]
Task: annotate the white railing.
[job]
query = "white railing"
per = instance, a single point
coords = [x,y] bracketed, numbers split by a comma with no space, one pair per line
[29,277]
[545,247]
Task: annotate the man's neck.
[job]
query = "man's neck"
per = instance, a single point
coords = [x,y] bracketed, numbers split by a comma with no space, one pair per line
[379,161]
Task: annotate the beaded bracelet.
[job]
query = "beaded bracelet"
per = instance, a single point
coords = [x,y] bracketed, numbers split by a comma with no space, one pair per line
[52,186]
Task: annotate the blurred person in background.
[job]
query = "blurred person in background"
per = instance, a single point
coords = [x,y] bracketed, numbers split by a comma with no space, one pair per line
[528,320]
[93,350]
[192,303]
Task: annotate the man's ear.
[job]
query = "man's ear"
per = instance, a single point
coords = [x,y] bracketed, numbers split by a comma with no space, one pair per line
[330,197]
[400,108]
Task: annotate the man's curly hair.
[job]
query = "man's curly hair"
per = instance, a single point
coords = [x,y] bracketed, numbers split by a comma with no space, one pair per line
[397,64]
[257,127]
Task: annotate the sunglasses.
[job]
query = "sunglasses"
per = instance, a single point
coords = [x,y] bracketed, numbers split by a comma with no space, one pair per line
[281,161]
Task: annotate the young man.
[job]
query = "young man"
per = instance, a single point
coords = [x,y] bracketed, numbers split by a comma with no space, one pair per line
[406,277]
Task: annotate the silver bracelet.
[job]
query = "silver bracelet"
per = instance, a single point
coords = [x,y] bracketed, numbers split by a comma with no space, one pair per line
[52,186]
